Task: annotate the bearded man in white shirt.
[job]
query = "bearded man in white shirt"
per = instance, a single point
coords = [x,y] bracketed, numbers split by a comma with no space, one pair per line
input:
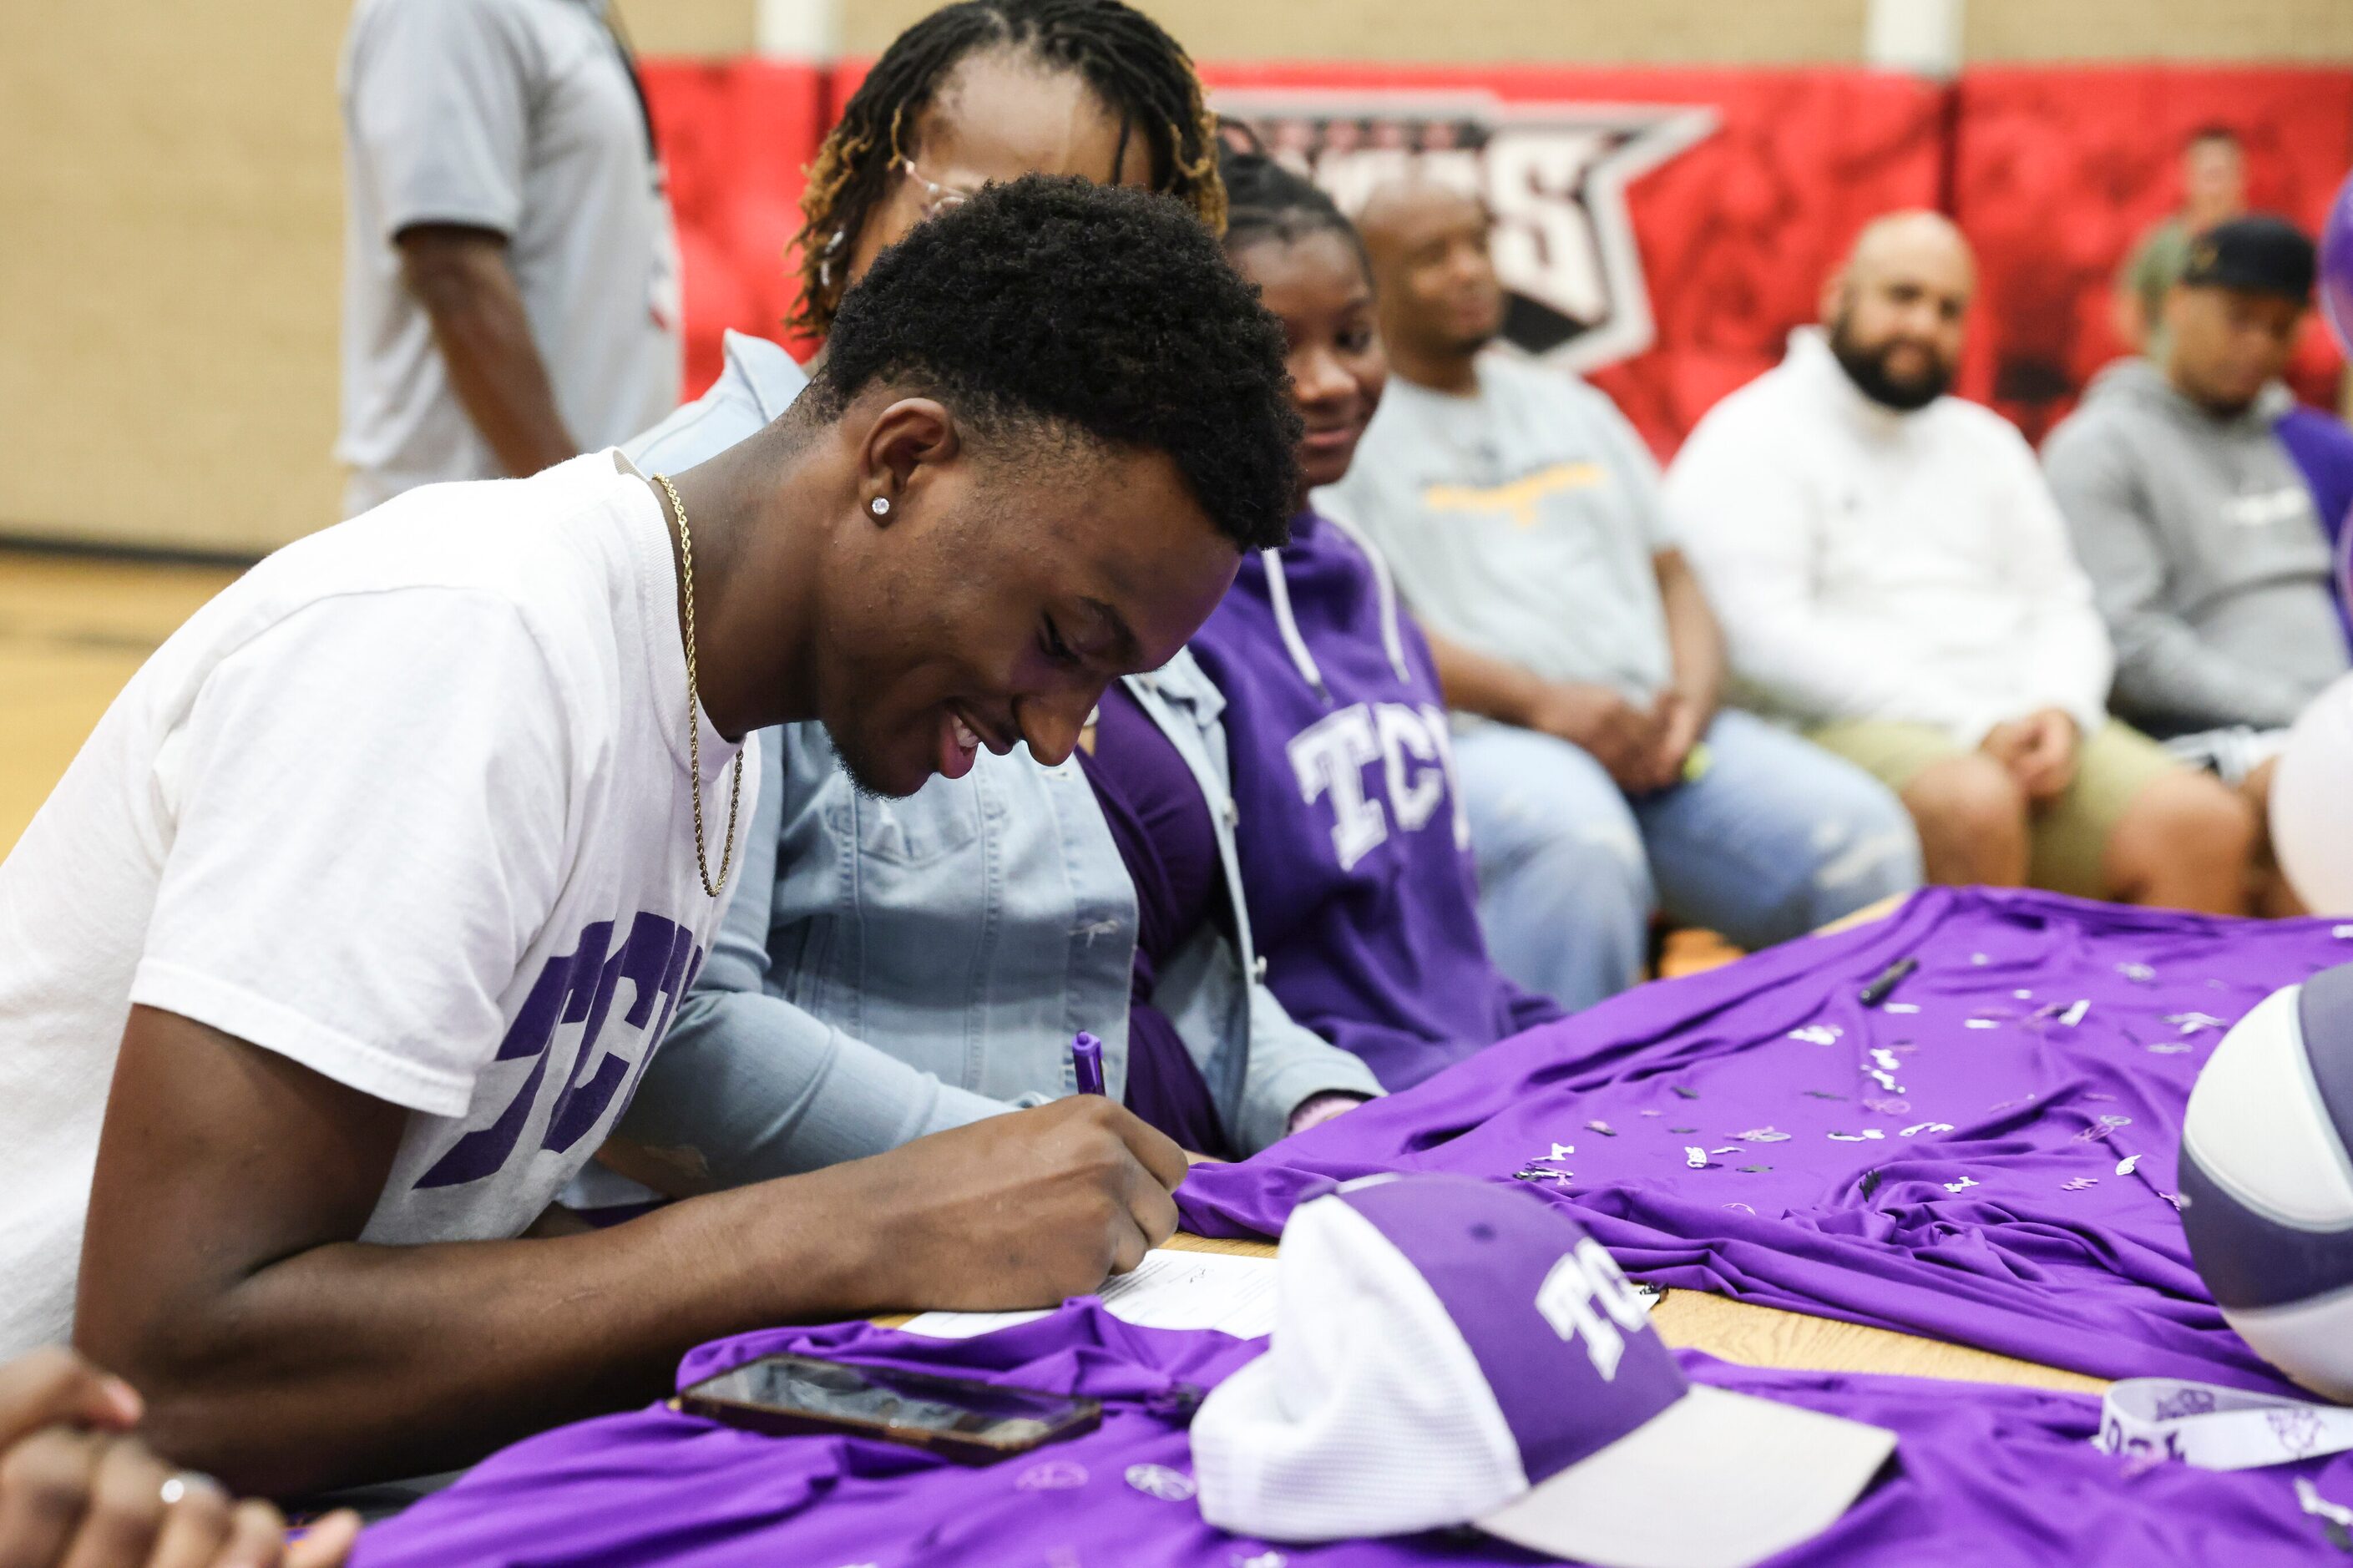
[1894,580]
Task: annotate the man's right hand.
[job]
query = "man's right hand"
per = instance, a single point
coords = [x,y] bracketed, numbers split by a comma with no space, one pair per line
[1624,739]
[1015,1211]
[2039,750]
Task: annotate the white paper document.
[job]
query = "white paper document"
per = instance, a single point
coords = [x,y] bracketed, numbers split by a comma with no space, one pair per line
[1169,1290]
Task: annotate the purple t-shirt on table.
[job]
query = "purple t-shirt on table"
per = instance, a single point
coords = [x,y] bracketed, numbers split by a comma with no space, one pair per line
[1355,853]
[1977,1161]
[1154,807]
[1982,1474]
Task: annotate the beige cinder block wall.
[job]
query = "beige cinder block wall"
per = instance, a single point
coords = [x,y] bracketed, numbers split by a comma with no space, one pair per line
[171,234]
[170,207]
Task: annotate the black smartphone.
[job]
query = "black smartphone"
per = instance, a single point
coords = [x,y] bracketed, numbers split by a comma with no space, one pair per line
[971,1422]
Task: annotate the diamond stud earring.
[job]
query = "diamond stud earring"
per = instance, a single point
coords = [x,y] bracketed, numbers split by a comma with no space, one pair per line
[880,506]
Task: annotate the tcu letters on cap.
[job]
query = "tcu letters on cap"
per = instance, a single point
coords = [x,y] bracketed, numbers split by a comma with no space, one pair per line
[1453,1351]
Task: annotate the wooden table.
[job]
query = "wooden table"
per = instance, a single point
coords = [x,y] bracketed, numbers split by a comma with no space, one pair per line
[1767,1336]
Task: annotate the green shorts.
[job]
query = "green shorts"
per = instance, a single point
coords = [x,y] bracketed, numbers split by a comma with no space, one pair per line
[2069,835]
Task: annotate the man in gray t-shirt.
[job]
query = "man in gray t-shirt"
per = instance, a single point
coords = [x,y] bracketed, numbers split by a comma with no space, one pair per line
[511,283]
[1523,519]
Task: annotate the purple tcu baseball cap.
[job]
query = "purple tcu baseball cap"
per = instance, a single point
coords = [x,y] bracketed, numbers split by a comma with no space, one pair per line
[1453,1351]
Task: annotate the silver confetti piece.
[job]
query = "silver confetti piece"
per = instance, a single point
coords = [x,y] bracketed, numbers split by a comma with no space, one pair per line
[1533,1174]
[1762,1135]
[1980,959]
[2139,971]
[1603,1128]
[2074,1015]
[1919,1127]
[1729,1148]
[1982,1024]
[2125,1166]
[1560,1151]
[2023,995]
[1893,1105]
[1885,1080]
[1867,1133]
[2170,1048]
[1964,1181]
[1884,1058]
[2079,1184]
[1654,1114]
[1817,1034]
[1694,1156]
[2176,1199]
[1901,1007]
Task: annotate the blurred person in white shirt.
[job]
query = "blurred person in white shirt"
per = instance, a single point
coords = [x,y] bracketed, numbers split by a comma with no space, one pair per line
[1895,580]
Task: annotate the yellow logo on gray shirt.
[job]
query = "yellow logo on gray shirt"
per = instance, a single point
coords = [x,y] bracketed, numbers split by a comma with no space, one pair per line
[1520,497]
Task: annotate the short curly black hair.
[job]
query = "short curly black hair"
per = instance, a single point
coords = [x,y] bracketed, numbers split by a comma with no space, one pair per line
[1060,305]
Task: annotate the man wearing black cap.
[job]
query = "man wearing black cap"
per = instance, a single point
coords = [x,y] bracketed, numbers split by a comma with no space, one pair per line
[2204,548]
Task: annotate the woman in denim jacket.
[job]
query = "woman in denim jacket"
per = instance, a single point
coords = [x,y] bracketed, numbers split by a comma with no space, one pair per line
[893,968]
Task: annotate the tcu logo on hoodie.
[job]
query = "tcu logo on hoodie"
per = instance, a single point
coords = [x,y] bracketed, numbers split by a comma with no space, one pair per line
[1416,753]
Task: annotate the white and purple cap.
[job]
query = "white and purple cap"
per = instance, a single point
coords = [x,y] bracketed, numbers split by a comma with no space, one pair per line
[1451,1352]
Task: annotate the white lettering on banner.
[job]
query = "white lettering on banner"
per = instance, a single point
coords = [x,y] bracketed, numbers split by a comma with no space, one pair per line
[1328,758]
[1417,757]
[1555,175]
[1582,1280]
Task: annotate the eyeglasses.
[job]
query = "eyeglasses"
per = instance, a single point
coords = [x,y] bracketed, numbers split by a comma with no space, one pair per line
[934,196]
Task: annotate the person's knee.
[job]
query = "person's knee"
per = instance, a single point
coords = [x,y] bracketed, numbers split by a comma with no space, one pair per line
[1969,806]
[2183,820]
[1866,850]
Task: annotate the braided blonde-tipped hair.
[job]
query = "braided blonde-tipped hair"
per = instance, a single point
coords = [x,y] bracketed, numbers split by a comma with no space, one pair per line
[1141,73]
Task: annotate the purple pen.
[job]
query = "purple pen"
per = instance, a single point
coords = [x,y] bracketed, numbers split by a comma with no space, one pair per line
[1086,1063]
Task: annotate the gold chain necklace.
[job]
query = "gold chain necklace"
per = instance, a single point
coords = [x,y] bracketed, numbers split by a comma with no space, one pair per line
[694,712]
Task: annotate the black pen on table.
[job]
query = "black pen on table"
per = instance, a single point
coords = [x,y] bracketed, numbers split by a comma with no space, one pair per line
[1879,989]
[1086,1063]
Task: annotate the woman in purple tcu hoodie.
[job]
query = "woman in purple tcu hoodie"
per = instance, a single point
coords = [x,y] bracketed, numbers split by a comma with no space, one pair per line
[1354,851]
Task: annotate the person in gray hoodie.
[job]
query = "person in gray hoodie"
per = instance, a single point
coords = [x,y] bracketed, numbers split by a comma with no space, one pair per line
[2206,554]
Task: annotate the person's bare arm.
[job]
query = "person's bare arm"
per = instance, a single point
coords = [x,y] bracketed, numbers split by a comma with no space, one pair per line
[221,1275]
[1621,736]
[2129,317]
[462,277]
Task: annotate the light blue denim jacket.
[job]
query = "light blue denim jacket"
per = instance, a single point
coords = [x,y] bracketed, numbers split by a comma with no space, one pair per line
[888,969]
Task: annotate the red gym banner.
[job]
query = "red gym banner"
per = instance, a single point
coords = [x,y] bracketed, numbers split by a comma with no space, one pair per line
[2058,172]
[1660,230]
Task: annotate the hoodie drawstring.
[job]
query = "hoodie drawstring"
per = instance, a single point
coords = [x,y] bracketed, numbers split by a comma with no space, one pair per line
[1278,592]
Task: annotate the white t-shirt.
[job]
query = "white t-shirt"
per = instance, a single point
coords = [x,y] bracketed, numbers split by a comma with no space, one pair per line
[1870,564]
[407,804]
[519,117]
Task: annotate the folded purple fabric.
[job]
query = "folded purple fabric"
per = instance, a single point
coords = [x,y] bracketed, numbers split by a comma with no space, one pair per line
[1982,1475]
[1990,1158]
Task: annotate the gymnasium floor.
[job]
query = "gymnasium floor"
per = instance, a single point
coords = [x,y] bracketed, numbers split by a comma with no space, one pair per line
[73,629]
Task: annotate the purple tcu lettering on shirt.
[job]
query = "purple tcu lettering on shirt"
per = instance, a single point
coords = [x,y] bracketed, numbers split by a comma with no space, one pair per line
[659,959]
[1329,755]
